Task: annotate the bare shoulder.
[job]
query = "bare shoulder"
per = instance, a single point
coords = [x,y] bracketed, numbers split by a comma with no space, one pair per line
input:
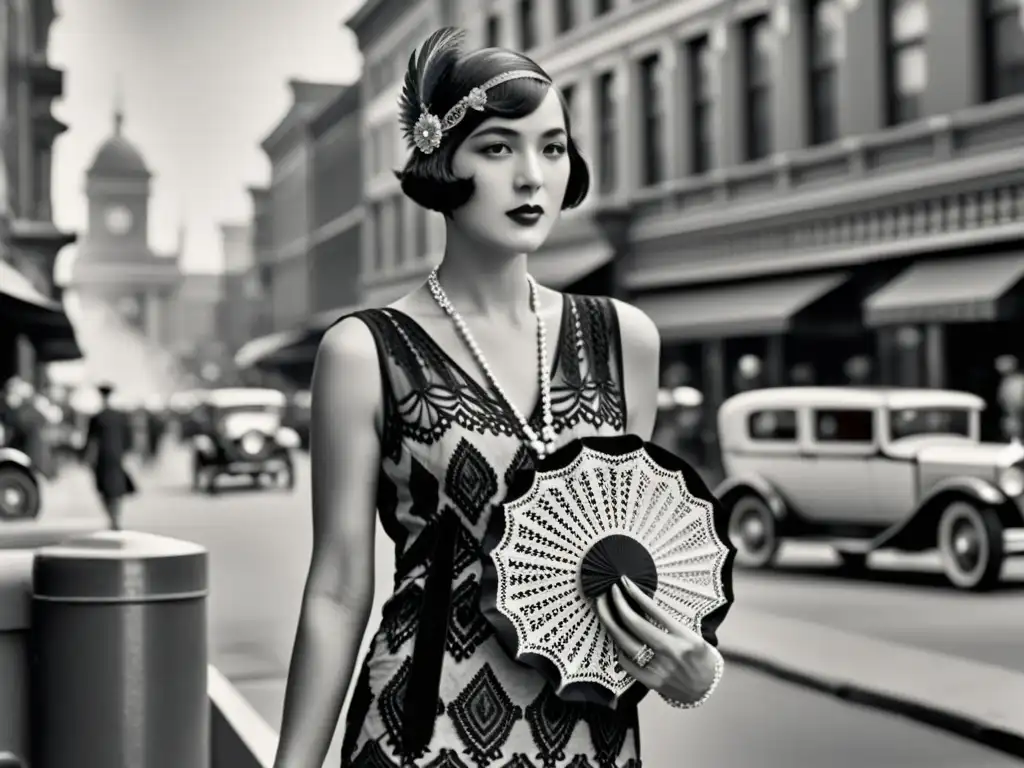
[346,374]
[638,332]
[349,341]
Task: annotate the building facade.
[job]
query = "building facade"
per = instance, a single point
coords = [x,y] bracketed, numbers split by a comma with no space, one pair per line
[202,337]
[288,148]
[333,238]
[34,328]
[240,292]
[115,264]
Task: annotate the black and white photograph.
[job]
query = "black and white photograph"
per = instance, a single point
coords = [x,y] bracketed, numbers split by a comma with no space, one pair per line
[511,383]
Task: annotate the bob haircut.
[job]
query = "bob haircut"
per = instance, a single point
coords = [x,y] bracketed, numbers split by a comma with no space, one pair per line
[428,179]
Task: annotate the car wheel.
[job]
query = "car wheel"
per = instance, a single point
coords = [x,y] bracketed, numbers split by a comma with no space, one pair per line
[211,484]
[19,494]
[970,541]
[752,531]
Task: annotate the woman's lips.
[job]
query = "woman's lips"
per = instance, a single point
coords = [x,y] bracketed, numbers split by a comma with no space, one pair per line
[525,216]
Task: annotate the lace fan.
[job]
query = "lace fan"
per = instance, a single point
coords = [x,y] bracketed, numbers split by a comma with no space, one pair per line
[595,510]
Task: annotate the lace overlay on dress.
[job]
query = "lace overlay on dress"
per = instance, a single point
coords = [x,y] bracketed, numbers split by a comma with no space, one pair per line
[449,451]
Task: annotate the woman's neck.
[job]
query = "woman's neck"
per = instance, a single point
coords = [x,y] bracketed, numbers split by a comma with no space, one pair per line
[492,285]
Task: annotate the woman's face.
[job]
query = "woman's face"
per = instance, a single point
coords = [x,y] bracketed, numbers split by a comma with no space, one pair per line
[520,170]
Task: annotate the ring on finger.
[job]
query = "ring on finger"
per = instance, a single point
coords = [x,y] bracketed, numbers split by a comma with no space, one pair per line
[643,657]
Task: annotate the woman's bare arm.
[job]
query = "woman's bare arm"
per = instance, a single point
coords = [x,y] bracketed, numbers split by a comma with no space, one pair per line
[345,455]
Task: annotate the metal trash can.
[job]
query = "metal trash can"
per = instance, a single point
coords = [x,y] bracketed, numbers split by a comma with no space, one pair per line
[118,659]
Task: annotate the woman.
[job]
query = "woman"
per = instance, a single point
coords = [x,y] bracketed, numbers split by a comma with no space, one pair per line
[422,411]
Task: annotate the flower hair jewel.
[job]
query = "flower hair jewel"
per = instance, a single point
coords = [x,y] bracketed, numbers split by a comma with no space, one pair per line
[430,129]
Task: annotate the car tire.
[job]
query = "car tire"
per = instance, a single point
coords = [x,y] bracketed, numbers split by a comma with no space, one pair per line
[752,531]
[970,542]
[17,483]
[211,484]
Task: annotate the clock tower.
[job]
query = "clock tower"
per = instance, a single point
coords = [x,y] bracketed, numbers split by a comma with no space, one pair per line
[114,261]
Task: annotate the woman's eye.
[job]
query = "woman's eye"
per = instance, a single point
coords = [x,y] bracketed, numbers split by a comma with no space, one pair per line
[555,149]
[497,149]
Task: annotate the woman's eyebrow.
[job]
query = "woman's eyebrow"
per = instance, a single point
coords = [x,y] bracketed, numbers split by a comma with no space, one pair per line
[511,133]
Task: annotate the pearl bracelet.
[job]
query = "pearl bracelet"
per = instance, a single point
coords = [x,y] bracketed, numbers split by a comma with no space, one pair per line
[719,669]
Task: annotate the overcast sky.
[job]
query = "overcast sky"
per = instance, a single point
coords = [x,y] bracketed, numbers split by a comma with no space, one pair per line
[204,81]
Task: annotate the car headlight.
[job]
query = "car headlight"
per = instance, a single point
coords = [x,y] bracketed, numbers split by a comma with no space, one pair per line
[288,438]
[1011,481]
[252,443]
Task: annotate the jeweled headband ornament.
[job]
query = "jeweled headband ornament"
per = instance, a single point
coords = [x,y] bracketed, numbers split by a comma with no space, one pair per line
[423,129]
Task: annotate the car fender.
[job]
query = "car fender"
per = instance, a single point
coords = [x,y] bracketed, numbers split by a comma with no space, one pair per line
[732,488]
[918,530]
[14,456]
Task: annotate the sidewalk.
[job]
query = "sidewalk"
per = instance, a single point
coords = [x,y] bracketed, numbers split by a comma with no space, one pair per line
[979,701]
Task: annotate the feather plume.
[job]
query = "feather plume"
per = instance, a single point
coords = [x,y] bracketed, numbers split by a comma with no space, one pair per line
[427,67]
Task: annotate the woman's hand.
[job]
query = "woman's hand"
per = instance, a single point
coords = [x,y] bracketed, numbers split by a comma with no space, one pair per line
[684,666]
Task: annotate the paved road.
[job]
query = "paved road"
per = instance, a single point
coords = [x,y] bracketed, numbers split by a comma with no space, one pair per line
[259,544]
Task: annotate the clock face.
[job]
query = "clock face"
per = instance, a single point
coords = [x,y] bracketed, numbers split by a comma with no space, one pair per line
[118,219]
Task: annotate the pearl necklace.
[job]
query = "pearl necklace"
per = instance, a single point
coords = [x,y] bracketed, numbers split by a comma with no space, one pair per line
[541,444]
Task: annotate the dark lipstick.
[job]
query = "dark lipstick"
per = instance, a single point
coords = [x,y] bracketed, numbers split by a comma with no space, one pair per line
[526,215]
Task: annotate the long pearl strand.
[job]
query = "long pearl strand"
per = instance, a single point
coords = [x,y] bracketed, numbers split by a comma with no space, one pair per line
[541,444]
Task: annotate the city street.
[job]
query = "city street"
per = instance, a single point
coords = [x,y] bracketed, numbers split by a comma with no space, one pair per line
[259,544]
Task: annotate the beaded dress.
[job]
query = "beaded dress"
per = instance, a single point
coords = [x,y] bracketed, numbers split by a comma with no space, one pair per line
[436,689]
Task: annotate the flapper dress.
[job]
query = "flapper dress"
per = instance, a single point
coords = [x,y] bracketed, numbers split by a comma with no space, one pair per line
[436,688]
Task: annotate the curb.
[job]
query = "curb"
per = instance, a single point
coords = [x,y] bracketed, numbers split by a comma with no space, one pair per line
[1000,739]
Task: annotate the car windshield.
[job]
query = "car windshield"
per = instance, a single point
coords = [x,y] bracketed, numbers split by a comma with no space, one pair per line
[912,422]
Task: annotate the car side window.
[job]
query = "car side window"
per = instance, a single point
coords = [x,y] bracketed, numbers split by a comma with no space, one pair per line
[844,425]
[772,424]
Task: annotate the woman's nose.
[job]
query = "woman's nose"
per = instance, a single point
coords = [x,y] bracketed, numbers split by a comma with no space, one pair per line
[529,175]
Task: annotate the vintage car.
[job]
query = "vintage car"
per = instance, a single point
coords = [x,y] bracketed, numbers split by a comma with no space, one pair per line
[19,485]
[865,469]
[240,433]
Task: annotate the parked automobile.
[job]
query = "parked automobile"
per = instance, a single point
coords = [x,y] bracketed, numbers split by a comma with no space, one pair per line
[865,469]
[19,485]
[240,433]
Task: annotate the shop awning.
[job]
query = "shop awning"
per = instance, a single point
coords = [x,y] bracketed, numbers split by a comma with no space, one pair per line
[952,290]
[15,286]
[262,349]
[39,317]
[727,311]
[566,264]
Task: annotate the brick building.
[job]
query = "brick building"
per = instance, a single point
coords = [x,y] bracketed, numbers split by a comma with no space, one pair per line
[331,242]
[34,328]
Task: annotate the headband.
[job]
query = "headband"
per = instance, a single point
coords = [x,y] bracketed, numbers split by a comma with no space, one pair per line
[429,129]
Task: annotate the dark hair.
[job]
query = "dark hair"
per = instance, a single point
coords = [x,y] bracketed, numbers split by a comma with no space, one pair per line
[428,179]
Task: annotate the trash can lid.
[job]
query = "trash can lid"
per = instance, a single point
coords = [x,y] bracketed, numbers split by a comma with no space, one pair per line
[120,566]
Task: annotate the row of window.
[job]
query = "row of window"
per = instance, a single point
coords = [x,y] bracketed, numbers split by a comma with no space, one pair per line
[526,28]
[906,79]
[856,425]
[392,246]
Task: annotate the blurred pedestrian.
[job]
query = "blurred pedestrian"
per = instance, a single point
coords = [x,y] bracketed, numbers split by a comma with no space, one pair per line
[1011,397]
[108,438]
[155,427]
